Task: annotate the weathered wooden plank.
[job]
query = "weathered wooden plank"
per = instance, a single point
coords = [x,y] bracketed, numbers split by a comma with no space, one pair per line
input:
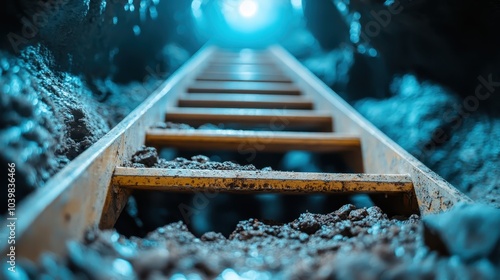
[229,72]
[241,60]
[260,69]
[238,140]
[244,87]
[260,101]
[274,119]
[186,180]
[243,77]
[245,55]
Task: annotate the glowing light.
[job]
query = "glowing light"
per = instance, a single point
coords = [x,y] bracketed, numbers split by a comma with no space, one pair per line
[248,8]
[242,22]
[137,30]
[297,4]
[196,8]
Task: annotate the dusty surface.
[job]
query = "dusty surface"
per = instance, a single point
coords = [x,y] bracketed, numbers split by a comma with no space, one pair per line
[171,125]
[349,243]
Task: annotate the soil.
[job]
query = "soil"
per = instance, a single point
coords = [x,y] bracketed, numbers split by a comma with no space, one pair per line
[148,157]
[171,125]
[349,243]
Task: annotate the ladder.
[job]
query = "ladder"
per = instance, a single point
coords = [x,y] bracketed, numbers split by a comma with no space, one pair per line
[274,104]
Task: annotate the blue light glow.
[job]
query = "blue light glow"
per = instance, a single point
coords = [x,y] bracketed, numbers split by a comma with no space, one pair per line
[242,22]
[249,16]
[248,8]
[297,4]
[196,9]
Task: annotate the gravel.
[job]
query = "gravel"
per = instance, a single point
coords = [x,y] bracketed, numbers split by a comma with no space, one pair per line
[148,157]
[349,243]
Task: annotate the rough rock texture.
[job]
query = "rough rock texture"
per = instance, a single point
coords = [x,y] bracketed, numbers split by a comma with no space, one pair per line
[450,42]
[349,243]
[468,231]
[171,125]
[148,157]
[101,38]
[71,70]
[47,119]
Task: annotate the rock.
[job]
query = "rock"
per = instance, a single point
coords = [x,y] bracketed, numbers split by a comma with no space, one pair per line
[344,211]
[358,214]
[147,156]
[212,236]
[306,223]
[471,232]
[151,260]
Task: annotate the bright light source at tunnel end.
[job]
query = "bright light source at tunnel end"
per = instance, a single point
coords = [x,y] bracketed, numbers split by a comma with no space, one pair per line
[242,22]
[248,8]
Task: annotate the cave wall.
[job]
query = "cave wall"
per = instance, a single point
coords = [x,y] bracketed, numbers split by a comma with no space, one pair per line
[72,69]
[97,37]
[453,43]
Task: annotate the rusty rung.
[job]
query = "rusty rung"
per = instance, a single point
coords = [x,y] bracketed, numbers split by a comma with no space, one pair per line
[214,100]
[221,61]
[279,76]
[243,77]
[240,140]
[187,180]
[244,87]
[234,68]
[239,57]
[274,119]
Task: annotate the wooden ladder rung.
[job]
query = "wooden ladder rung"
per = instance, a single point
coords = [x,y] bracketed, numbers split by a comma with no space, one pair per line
[232,56]
[188,180]
[240,140]
[276,119]
[259,69]
[244,87]
[241,61]
[207,100]
[243,77]
[247,72]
